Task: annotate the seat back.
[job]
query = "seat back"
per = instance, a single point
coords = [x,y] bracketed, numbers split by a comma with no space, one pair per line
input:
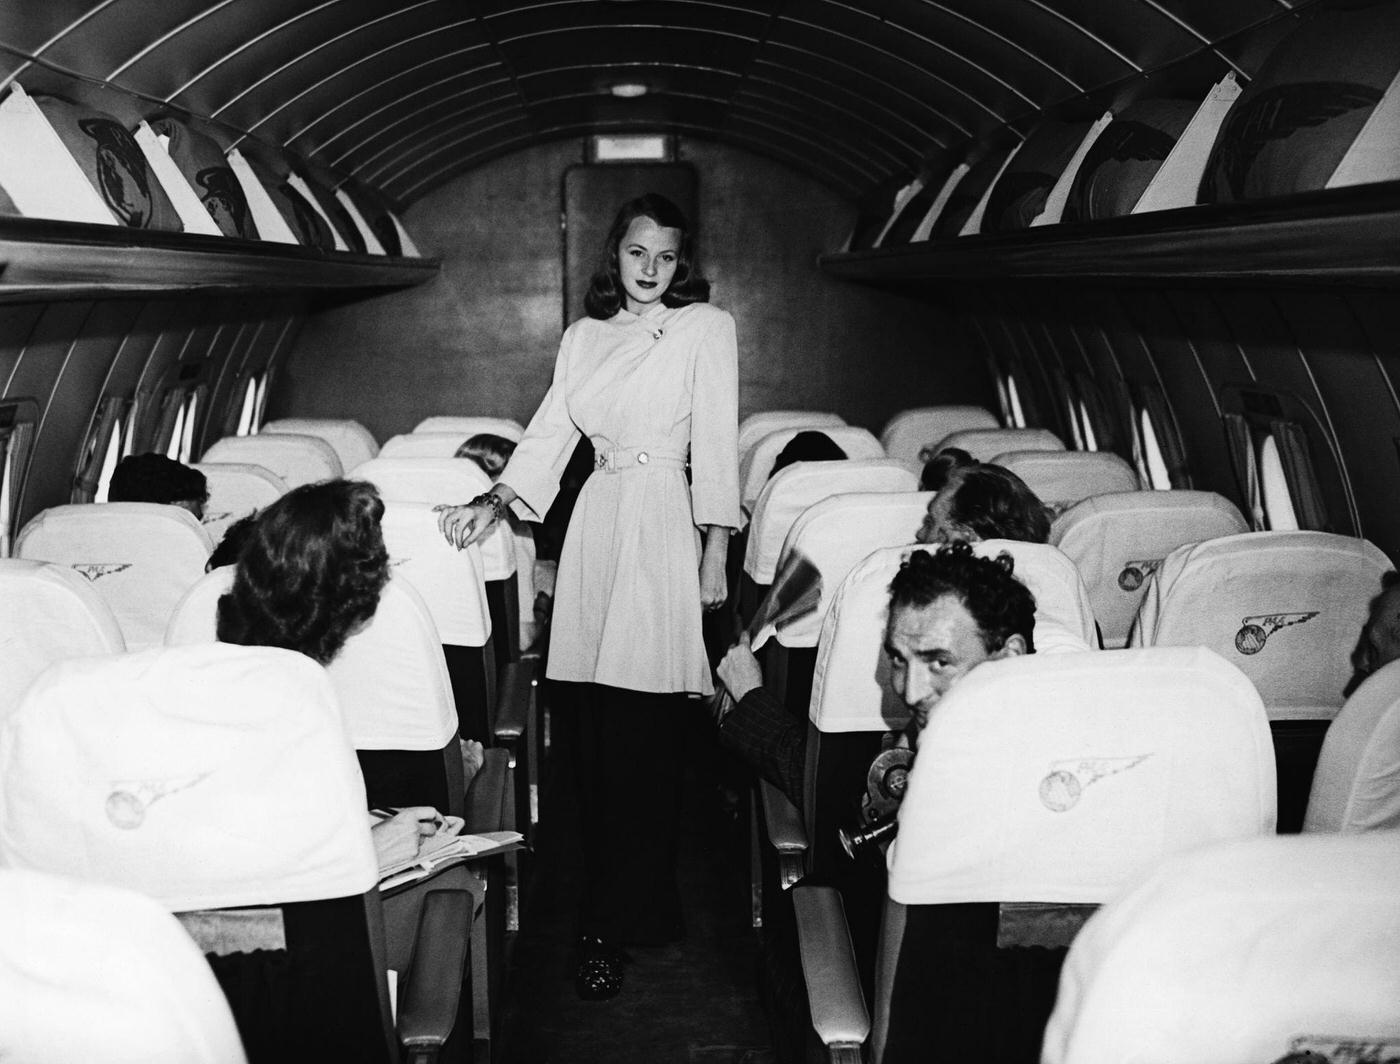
[1063,478]
[236,489]
[756,465]
[1286,607]
[1268,949]
[1356,785]
[141,557]
[47,613]
[212,777]
[912,432]
[451,582]
[986,444]
[61,943]
[423,445]
[1118,540]
[472,426]
[792,490]
[293,458]
[828,539]
[351,441]
[757,425]
[1053,780]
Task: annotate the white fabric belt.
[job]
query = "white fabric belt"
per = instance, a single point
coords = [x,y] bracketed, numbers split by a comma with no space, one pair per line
[617,459]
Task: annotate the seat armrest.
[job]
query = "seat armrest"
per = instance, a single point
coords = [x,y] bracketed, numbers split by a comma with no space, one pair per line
[430,997]
[839,1014]
[487,796]
[515,694]
[786,833]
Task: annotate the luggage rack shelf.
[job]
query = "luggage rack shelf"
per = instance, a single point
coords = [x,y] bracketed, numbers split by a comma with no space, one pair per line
[52,259]
[1341,236]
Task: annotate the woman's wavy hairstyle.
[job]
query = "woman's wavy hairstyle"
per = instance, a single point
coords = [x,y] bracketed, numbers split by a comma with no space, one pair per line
[605,295]
[996,504]
[1001,605]
[310,571]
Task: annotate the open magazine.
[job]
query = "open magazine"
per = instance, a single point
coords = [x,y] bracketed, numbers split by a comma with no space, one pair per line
[448,846]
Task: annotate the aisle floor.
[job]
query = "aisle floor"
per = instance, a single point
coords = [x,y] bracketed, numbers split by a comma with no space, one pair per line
[694,1002]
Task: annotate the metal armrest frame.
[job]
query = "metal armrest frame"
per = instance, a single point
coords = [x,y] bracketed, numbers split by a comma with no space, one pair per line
[431,992]
[839,1013]
[786,833]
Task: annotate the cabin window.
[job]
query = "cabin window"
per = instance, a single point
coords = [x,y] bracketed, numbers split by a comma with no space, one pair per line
[181,445]
[16,435]
[1016,414]
[1277,499]
[260,404]
[101,450]
[1153,463]
[249,409]
[1086,426]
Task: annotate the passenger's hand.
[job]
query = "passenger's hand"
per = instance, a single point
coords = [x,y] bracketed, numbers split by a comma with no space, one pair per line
[422,819]
[739,670]
[714,585]
[464,525]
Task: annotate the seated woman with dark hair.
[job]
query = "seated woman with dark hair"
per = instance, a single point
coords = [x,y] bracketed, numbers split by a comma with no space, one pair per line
[984,501]
[808,446]
[489,451]
[941,466]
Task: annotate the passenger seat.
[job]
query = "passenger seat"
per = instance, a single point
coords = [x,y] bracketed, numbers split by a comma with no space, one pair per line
[1118,540]
[985,444]
[1063,478]
[140,557]
[1356,786]
[912,434]
[472,426]
[236,490]
[351,441]
[293,458]
[757,425]
[756,466]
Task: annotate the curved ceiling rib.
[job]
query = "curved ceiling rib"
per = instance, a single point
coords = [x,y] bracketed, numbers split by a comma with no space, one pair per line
[857,93]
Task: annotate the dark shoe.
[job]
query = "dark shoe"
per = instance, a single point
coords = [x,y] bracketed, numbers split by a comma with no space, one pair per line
[599,972]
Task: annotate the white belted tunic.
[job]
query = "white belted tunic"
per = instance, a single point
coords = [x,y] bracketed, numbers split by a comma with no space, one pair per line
[648,391]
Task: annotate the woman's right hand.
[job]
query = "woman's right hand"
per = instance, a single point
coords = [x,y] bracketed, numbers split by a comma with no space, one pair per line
[464,525]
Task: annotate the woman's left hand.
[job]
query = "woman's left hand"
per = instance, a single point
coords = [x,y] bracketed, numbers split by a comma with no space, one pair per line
[714,586]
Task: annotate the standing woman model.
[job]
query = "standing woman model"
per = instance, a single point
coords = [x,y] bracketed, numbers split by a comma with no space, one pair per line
[651,377]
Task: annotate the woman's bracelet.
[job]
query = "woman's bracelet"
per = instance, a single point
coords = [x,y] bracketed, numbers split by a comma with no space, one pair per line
[494,501]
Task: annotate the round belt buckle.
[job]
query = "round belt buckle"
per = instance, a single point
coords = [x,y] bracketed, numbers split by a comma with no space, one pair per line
[642,458]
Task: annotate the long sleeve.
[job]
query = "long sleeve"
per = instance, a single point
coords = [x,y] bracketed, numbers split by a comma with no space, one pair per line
[714,427]
[537,465]
[769,739]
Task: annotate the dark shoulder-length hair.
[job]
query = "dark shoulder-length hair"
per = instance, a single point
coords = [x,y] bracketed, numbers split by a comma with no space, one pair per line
[605,295]
[310,571]
[996,504]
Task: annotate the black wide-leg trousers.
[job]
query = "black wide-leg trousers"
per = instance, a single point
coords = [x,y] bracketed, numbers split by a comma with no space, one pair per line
[629,764]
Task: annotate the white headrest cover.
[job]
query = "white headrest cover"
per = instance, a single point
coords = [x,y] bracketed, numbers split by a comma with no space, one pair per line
[754,427]
[1059,778]
[422,445]
[986,444]
[756,465]
[236,490]
[1286,607]
[472,426]
[909,431]
[1243,951]
[392,678]
[196,616]
[1356,785]
[441,480]
[351,441]
[450,581]
[850,685]
[293,458]
[1119,540]
[204,776]
[1062,478]
[790,491]
[95,973]
[47,613]
[836,533]
[140,556]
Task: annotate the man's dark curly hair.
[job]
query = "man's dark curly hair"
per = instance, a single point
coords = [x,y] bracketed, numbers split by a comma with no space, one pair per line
[310,572]
[996,504]
[605,296]
[1001,605]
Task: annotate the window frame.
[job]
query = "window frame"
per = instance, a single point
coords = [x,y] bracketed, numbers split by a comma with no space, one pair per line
[19,420]
[106,431]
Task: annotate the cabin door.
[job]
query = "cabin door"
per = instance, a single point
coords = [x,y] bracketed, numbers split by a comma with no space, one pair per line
[592,195]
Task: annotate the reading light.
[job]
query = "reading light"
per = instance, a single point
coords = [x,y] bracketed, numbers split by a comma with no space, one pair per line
[628,90]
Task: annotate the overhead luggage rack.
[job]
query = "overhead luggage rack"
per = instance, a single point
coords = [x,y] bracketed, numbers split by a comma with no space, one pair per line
[1343,235]
[46,258]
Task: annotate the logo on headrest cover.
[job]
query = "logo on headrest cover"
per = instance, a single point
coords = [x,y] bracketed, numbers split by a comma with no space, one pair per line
[127,804]
[212,518]
[1255,631]
[1135,573]
[394,563]
[1061,789]
[1330,1049]
[95,571]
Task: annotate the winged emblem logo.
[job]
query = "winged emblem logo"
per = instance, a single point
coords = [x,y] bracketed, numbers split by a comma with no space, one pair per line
[1255,631]
[126,805]
[1135,573]
[95,571]
[211,518]
[1067,779]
